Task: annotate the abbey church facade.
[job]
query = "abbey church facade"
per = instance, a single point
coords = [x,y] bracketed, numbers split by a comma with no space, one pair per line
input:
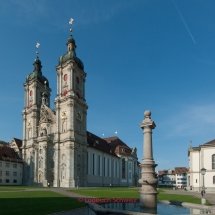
[56,146]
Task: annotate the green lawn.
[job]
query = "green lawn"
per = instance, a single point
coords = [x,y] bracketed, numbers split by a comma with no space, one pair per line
[17,188]
[35,203]
[133,193]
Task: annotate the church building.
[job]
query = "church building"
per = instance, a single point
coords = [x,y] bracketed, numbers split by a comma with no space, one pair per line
[56,146]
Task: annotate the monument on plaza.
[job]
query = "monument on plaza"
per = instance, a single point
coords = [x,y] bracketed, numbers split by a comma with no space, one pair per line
[148,191]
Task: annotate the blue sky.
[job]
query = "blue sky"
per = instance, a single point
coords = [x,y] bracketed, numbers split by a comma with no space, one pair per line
[138,55]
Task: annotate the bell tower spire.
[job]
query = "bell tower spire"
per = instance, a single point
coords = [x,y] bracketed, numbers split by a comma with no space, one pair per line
[71,111]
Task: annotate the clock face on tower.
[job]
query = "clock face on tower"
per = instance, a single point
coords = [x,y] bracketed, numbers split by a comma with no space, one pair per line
[64,114]
[29,123]
[79,116]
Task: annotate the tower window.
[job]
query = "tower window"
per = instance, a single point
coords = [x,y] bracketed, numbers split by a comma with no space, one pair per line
[78,95]
[31,93]
[65,77]
[65,92]
[213,161]
[77,80]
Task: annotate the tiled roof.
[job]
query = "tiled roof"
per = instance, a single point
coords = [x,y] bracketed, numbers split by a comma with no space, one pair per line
[180,170]
[110,145]
[160,173]
[210,143]
[18,142]
[118,146]
[7,152]
[99,144]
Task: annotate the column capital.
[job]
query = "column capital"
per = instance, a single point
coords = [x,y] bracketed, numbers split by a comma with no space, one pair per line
[147,122]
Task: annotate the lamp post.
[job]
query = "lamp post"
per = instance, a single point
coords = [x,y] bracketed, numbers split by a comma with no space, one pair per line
[203,171]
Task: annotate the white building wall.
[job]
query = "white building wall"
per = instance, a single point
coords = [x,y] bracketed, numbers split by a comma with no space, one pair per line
[11,173]
[198,160]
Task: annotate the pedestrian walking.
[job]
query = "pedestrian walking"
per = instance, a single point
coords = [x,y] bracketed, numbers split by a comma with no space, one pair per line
[48,185]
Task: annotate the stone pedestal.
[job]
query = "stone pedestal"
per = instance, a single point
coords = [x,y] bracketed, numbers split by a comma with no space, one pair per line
[148,191]
[203,201]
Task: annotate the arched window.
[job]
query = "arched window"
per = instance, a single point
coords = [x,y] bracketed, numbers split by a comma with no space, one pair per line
[123,168]
[65,76]
[77,80]
[77,94]
[213,161]
[65,92]
[213,179]
[52,164]
[64,126]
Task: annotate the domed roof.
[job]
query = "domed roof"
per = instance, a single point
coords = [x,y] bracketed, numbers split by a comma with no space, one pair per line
[71,40]
[71,55]
[37,73]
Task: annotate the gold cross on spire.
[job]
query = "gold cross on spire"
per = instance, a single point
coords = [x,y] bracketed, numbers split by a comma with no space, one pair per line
[70,22]
[37,46]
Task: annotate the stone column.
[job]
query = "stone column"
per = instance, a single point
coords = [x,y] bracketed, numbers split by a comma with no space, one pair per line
[148,191]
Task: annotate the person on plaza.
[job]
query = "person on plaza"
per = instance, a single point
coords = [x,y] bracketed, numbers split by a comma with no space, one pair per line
[48,185]
[202,192]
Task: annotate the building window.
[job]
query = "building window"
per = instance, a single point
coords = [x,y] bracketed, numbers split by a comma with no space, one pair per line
[129,175]
[14,173]
[123,168]
[130,166]
[108,168]
[104,167]
[15,165]
[213,161]
[88,165]
[93,164]
[196,180]
[52,164]
[77,80]
[116,169]
[213,179]
[7,181]
[0,163]
[0,180]
[14,181]
[7,173]
[99,165]
[7,165]
[65,77]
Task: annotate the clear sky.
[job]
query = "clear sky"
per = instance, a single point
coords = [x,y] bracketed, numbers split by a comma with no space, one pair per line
[138,55]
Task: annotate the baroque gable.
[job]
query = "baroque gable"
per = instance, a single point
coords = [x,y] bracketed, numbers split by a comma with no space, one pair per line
[47,115]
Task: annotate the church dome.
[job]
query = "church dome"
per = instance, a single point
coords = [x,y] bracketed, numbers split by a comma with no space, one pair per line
[37,73]
[71,40]
[71,54]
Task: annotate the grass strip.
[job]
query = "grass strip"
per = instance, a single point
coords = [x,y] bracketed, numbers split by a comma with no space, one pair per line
[126,193]
[36,203]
